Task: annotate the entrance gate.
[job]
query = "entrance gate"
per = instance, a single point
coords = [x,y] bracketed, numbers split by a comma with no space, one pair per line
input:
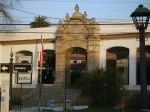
[76,32]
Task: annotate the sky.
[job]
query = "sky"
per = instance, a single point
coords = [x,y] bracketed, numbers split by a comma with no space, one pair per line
[55,10]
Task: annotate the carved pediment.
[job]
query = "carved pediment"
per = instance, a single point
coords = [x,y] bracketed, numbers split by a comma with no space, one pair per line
[75,30]
[77,26]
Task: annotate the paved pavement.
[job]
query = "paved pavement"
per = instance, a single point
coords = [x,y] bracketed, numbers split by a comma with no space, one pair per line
[57,109]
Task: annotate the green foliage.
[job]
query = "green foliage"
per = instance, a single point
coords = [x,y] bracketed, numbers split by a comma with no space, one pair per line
[102,85]
[15,102]
[74,76]
[40,21]
[137,97]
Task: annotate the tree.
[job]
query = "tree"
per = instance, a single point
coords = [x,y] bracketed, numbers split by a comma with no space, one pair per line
[6,17]
[39,21]
[103,86]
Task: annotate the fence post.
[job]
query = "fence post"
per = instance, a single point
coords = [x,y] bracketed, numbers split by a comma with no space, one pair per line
[122,105]
[5,96]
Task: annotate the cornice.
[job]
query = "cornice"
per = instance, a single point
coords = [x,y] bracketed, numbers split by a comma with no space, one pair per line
[122,36]
[28,41]
[52,40]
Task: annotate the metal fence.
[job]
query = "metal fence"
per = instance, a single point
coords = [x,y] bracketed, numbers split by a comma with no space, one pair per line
[0,99]
[27,97]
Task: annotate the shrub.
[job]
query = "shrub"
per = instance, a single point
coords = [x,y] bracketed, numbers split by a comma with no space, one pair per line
[105,86]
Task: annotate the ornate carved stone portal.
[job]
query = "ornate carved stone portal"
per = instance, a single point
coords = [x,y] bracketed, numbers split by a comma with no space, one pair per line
[76,32]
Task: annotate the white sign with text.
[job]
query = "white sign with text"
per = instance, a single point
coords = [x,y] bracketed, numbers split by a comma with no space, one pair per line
[24,78]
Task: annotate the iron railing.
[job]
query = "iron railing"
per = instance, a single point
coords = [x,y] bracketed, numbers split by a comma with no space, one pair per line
[26,97]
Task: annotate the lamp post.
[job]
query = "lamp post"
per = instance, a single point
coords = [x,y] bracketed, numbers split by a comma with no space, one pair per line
[10,83]
[141,18]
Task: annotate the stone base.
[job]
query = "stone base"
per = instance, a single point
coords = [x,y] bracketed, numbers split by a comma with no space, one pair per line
[58,83]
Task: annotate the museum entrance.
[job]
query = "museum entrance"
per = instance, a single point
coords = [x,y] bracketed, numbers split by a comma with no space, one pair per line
[75,64]
[48,69]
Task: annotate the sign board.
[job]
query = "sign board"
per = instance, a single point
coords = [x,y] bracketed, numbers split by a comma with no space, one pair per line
[4,67]
[17,68]
[22,68]
[24,78]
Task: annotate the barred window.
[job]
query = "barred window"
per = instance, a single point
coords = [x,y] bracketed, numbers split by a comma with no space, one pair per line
[117,58]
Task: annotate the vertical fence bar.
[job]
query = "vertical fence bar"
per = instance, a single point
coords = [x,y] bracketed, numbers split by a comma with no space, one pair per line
[65,98]
[20,97]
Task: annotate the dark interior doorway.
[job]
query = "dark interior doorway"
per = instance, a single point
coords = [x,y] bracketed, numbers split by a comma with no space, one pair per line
[76,63]
[48,69]
[47,77]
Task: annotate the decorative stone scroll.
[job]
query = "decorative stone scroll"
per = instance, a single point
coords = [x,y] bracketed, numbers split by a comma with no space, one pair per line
[75,31]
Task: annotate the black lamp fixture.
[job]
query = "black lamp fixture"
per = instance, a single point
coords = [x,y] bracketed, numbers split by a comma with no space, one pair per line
[141,20]
[141,17]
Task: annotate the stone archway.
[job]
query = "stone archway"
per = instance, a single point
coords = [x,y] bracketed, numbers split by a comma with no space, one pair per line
[76,32]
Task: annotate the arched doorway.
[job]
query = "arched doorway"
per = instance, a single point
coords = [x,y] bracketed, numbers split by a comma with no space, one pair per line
[147,55]
[75,63]
[117,58]
[48,69]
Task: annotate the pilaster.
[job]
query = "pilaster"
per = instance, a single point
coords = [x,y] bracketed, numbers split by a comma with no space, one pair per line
[93,55]
[5,96]
[60,68]
[132,66]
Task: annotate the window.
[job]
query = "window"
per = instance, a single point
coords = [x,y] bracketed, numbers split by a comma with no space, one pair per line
[74,61]
[117,58]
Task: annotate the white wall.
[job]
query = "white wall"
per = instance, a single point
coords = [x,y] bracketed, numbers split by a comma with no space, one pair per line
[132,44]
[0,58]
[34,48]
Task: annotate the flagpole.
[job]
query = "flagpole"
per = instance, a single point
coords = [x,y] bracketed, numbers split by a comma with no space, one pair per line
[40,86]
[41,69]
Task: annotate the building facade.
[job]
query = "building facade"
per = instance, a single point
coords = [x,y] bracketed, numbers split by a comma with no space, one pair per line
[104,45]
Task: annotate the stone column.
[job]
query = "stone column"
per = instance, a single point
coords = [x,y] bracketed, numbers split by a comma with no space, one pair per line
[93,53]
[5,96]
[96,56]
[103,58]
[60,69]
[90,60]
[68,67]
[132,66]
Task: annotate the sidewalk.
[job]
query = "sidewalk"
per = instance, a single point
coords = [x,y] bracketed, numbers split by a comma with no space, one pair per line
[55,109]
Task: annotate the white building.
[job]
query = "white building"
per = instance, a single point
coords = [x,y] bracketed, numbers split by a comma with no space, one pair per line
[116,46]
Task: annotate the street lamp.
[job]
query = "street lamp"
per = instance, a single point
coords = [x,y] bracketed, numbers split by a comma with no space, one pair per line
[141,18]
[10,83]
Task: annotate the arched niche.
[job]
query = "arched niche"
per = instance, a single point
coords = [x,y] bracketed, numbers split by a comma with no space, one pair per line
[23,57]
